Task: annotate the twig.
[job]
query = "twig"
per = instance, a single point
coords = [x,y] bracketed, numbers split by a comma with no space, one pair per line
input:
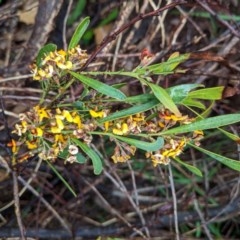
[24,188]
[13,78]
[140,17]
[107,205]
[137,200]
[114,61]
[93,232]
[174,202]
[10,36]
[83,233]
[14,177]
[17,205]
[47,205]
[121,186]
[65,24]
[202,220]
[204,5]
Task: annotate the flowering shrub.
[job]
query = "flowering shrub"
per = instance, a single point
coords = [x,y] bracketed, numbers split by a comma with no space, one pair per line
[152,122]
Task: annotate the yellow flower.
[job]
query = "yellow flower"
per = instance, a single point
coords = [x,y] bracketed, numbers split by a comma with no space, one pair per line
[41,73]
[121,129]
[182,143]
[95,114]
[120,158]
[67,65]
[31,145]
[36,77]
[197,133]
[159,159]
[171,149]
[62,52]
[160,124]
[13,145]
[58,125]
[41,112]
[39,132]
[59,138]
[106,126]
[77,119]
[168,116]
[138,117]
[178,118]
[67,115]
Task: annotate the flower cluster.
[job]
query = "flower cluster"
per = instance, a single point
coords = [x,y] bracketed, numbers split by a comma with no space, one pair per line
[135,124]
[49,131]
[123,152]
[56,62]
[172,148]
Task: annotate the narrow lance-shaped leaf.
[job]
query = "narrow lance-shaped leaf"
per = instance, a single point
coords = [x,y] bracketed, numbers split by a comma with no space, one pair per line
[141,98]
[130,111]
[178,93]
[80,30]
[146,146]
[193,103]
[206,113]
[96,161]
[99,86]
[191,168]
[62,179]
[168,67]
[209,123]
[162,95]
[214,93]
[76,12]
[230,135]
[233,164]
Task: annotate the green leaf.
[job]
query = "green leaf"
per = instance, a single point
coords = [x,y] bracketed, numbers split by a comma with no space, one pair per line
[80,30]
[233,164]
[214,93]
[64,153]
[178,93]
[141,98]
[79,105]
[168,67]
[96,161]
[162,95]
[62,179]
[80,158]
[109,18]
[207,15]
[191,168]
[193,103]
[45,51]
[77,11]
[130,111]
[209,123]
[146,146]
[206,113]
[99,86]
[230,135]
